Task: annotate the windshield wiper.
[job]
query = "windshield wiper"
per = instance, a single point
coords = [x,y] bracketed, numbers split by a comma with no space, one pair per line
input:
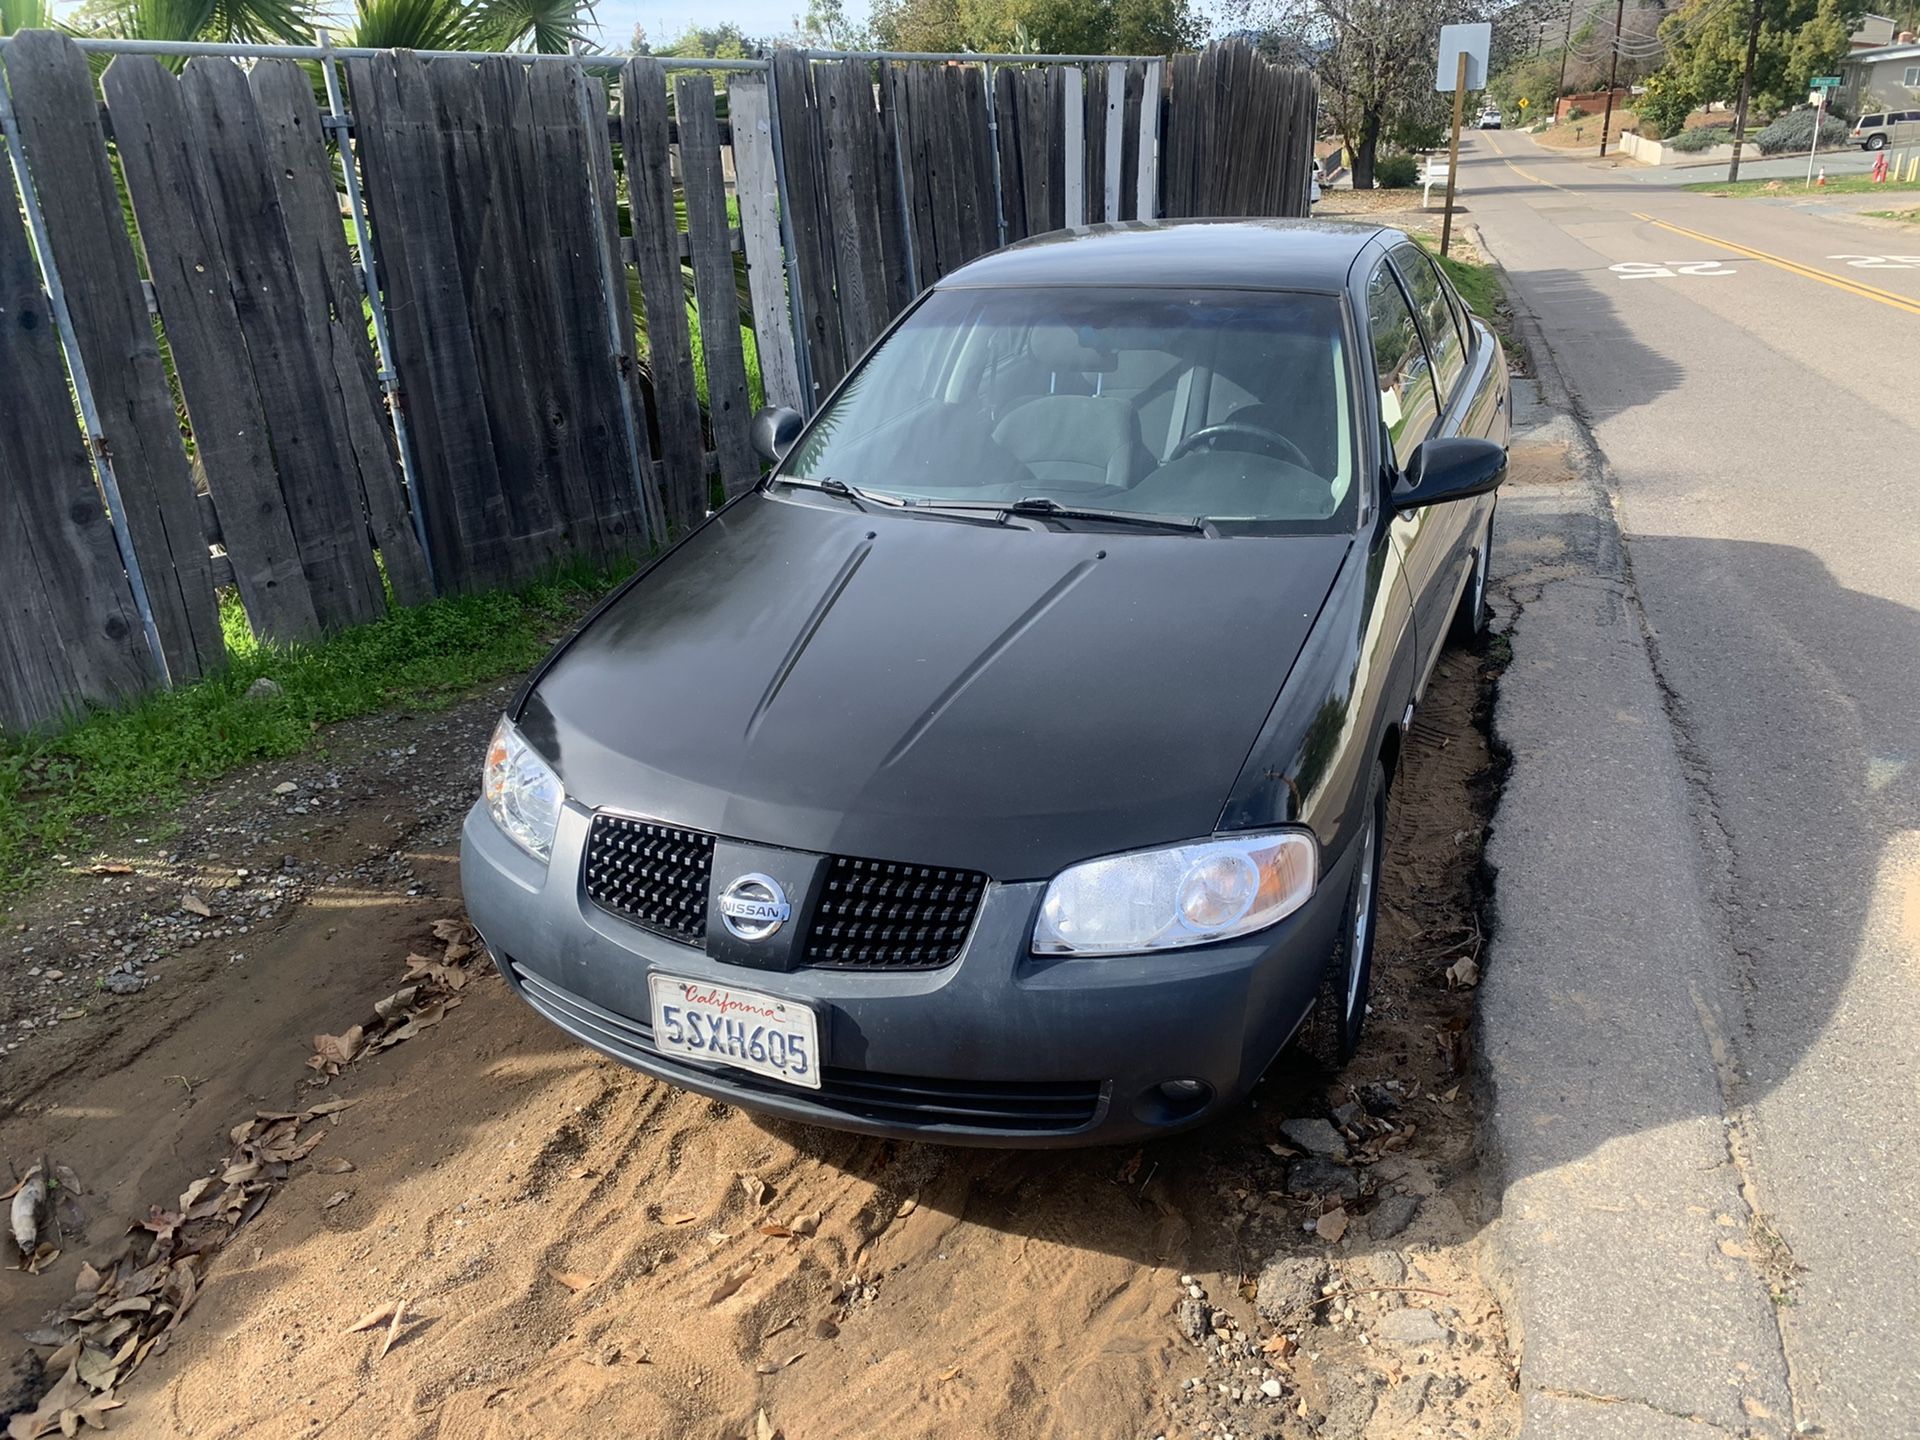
[1054,510]
[852,494]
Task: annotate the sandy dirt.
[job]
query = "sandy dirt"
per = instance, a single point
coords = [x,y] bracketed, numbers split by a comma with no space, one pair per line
[582,1250]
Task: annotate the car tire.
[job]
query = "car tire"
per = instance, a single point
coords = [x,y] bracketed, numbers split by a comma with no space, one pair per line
[1470,620]
[1332,1030]
[1876,142]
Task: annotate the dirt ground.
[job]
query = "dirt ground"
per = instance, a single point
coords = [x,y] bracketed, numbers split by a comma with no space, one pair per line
[580,1249]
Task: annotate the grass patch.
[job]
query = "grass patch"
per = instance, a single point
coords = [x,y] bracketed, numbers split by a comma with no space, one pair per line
[109,769]
[1836,185]
[1572,134]
[1905,217]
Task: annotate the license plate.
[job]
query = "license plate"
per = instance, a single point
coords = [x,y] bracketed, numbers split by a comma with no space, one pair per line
[722,1025]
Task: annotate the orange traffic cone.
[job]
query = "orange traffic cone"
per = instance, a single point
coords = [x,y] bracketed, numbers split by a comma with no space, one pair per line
[1822,181]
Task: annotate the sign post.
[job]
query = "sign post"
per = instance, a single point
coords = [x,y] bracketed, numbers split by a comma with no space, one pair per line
[1463,67]
[1823,85]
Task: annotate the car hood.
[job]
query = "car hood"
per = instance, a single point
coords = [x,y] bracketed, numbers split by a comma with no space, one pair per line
[803,674]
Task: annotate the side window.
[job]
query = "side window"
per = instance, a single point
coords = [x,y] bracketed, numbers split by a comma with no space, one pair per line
[1408,403]
[1436,315]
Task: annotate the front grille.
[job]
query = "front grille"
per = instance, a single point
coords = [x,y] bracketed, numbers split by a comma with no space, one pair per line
[1038,1107]
[654,875]
[879,915]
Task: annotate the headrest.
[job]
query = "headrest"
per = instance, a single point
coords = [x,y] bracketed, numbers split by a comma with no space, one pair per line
[1060,347]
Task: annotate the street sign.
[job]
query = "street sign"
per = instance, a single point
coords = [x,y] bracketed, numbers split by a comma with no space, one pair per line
[1473,41]
[1523,102]
[1826,82]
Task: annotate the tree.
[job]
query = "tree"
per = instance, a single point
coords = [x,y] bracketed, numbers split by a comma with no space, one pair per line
[1049,27]
[1375,59]
[826,26]
[1707,46]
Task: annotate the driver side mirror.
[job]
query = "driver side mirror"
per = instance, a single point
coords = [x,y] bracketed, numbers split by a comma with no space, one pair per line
[1449,469]
[774,429]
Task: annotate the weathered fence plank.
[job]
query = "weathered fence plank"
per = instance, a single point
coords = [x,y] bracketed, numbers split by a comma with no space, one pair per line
[331,305]
[756,179]
[715,293]
[69,629]
[59,114]
[186,257]
[849,124]
[656,239]
[456,468]
[813,264]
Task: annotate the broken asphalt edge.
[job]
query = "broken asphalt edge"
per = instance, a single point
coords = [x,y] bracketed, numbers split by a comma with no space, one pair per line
[1619,1207]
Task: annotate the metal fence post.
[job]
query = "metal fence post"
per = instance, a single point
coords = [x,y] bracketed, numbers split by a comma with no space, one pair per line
[83,392]
[341,123]
[802,352]
[993,143]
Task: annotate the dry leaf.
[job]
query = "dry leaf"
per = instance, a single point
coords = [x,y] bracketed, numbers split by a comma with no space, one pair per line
[685,1217]
[338,1165]
[452,930]
[1463,974]
[756,1189]
[763,1428]
[572,1279]
[775,1229]
[87,1281]
[337,1050]
[1280,1346]
[395,1005]
[339,1197]
[326,1107]
[1331,1226]
[949,1373]
[393,1329]
[377,1316]
[194,905]
[113,867]
[906,1208]
[730,1285]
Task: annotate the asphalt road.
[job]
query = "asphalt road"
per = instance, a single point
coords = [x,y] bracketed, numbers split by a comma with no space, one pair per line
[1748,373]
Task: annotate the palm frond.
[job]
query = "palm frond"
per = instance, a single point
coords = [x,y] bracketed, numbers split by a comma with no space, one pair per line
[549,27]
[18,15]
[415,24]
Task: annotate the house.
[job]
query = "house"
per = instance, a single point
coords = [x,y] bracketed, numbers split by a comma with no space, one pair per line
[1872,32]
[1884,78]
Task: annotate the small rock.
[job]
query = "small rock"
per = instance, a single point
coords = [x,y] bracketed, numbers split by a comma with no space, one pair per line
[1413,1329]
[1348,1116]
[1322,1177]
[1392,1215]
[122,982]
[285,787]
[1270,1389]
[1190,1319]
[1383,1268]
[1287,1288]
[1379,1099]
[264,689]
[1404,1402]
[1315,1136]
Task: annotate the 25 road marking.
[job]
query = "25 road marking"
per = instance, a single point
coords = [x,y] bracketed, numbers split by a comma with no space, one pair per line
[1668,269]
[1794,267]
[1880,262]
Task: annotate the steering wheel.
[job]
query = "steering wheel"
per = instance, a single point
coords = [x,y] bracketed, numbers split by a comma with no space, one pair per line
[1270,441]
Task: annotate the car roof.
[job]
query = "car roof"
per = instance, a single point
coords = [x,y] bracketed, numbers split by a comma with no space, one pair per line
[1257,254]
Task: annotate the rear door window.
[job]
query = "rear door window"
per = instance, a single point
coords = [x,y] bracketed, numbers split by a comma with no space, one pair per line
[1444,345]
[1409,404]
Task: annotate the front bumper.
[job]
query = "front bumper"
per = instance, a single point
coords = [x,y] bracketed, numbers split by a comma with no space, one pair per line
[999,1048]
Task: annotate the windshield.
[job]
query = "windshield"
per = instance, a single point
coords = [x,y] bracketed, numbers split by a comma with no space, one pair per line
[1222,406]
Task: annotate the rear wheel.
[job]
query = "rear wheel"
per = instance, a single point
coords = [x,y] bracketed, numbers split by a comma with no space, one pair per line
[1876,142]
[1332,1031]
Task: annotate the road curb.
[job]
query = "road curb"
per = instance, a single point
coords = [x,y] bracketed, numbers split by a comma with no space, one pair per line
[1619,1246]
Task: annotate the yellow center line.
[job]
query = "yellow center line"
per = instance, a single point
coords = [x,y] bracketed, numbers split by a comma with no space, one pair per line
[1794,267]
[1529,175]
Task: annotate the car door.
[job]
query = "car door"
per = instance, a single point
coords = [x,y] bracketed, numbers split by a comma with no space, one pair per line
[1410,410]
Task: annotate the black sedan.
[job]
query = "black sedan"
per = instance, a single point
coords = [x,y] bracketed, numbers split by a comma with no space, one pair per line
[1011,766]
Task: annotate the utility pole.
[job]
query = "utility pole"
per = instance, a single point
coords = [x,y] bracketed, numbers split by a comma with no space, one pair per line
[1746,87]
[1613,72]
[1565,50]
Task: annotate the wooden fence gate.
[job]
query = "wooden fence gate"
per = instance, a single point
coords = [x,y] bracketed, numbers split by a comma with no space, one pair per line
[555,338]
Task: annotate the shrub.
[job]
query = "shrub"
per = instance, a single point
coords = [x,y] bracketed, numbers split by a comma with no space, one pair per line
[1793,132]
[1689,142]
[1574,112]
[1667,104]
[1395,172]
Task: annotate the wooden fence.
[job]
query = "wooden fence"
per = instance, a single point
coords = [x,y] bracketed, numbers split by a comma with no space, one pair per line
[556,342]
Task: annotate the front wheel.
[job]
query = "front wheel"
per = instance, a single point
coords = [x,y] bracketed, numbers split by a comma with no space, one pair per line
[1470,621]
[1332,1031]
[1876,142]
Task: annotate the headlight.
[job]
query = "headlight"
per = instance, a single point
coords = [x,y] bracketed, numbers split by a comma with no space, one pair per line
[523,794]
[1183,895]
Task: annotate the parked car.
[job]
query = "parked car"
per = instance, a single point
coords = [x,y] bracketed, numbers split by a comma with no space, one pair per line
[1490,118]
[1876,131]
[1011,765]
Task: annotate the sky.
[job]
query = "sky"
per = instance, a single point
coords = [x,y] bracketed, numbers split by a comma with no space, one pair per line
[665,19]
